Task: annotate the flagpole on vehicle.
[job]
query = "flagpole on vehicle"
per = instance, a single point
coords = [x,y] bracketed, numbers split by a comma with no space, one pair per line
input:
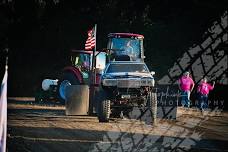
[94,55]
[93,75]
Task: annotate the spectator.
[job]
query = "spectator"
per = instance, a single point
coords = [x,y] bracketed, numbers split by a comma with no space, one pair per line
[186,85]
[203,90]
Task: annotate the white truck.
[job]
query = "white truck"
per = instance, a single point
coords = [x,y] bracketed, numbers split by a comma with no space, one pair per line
[126,81]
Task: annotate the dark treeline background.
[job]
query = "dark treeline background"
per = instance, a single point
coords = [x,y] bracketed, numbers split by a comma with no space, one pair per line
[41,33]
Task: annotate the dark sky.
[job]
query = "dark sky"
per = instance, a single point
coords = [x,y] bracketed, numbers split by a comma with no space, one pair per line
[40,34]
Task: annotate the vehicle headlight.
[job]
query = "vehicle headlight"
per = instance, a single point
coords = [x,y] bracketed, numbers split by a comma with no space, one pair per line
[107,76]
[151,82]
[144,82]
[109,82]
[147,82]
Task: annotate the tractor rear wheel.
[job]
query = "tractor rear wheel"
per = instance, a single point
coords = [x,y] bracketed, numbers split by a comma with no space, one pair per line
[67,79]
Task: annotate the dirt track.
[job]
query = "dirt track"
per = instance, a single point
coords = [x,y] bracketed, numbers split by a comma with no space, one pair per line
[45,127]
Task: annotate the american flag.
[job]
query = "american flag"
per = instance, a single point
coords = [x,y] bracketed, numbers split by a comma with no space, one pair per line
[91,40]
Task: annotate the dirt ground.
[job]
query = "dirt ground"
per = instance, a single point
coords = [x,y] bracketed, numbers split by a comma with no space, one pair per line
[44,127]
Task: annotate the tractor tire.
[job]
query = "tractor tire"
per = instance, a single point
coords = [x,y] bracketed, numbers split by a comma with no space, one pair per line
[104,111]
[68,78]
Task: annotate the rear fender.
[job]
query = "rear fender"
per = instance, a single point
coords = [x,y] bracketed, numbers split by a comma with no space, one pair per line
[75,71]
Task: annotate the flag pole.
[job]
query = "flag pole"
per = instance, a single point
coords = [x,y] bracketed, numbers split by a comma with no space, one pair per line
[94,55]
[93,74]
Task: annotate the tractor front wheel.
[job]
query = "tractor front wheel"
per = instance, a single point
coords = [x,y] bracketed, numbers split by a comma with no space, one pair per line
[67,79]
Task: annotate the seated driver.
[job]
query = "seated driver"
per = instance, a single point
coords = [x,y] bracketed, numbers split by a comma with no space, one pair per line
[129,50]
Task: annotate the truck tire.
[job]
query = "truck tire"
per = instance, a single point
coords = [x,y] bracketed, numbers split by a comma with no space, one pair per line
[149,100]
[67,79]
[152,104]
[104,111]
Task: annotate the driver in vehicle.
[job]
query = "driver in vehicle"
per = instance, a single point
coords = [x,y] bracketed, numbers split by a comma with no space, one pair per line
[128,49]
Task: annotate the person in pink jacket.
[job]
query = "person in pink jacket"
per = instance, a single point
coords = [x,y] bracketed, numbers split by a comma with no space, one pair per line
[186,85]
[203,90]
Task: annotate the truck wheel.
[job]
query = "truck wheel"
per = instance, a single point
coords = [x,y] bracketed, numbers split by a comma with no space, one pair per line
[104,111]
[151,100]
[152,104]
[67,79]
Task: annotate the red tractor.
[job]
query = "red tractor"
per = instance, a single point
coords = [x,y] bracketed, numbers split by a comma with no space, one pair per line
[80,71]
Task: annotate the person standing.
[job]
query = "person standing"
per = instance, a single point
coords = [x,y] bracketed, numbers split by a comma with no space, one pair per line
[203,90]
[186,85]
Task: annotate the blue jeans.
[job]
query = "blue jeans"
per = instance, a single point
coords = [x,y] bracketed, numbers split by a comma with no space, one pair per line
[203,99]
[185,98]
